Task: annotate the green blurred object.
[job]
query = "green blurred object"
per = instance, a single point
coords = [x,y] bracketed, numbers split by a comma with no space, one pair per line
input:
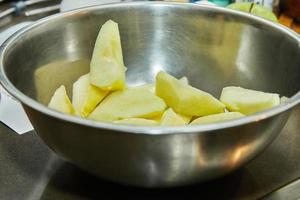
[240,6]
[263,12]
[254,9]
[223,3]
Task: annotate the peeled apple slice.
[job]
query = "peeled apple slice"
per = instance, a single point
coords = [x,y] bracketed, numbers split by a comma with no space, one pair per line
[248,101]
[129,103]
[61,102]
[157,117]
[170,118]
[151,86]
[185,99]
[184,80]
[107,70]
[137,121]
[86,96]
[217,118]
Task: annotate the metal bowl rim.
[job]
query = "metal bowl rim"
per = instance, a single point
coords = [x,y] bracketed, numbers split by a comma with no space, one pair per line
[153,130]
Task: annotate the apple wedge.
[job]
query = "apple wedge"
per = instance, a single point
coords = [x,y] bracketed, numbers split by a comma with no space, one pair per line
[107,70]
[61,102]
[248,101]
[185,99]
[137,121]
[148,86]
[86,96]
[170,118]
[151,86]
[217,118]
[129,103]
[184,80]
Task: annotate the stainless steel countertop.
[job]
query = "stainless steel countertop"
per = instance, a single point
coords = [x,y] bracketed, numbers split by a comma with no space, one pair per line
[29,170]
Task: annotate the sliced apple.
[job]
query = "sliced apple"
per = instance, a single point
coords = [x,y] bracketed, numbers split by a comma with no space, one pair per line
[129,103]
[157,117]
[217,118]
[137,121]
[60,101]
[186,118]
[86,96]
[248,101]
[149,86]
[170,118]
[107,69]
[184,80]
[185,99]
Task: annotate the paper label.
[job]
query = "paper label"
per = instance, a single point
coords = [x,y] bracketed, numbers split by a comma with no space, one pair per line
[12,114]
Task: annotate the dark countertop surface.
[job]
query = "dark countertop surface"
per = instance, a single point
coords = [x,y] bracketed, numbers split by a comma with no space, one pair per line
[29,170]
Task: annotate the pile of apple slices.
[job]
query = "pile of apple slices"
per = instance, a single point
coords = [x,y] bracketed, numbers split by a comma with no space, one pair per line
[102,94]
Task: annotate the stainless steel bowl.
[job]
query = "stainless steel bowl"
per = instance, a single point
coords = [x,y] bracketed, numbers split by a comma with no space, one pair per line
[213,47]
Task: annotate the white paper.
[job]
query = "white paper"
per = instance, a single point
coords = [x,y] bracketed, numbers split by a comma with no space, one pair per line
[13,115]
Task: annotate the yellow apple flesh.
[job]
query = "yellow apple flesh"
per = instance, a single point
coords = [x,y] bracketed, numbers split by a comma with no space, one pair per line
[217,118]
[137,121]
[248,101]
[170,118]
[185,99]
[129,103]
[107,70]
[86,96]
[61,102]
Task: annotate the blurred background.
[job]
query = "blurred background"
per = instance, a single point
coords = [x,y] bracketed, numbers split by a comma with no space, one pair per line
[287,12]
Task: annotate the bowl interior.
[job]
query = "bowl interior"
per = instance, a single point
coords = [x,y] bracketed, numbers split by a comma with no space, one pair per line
[213,47]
